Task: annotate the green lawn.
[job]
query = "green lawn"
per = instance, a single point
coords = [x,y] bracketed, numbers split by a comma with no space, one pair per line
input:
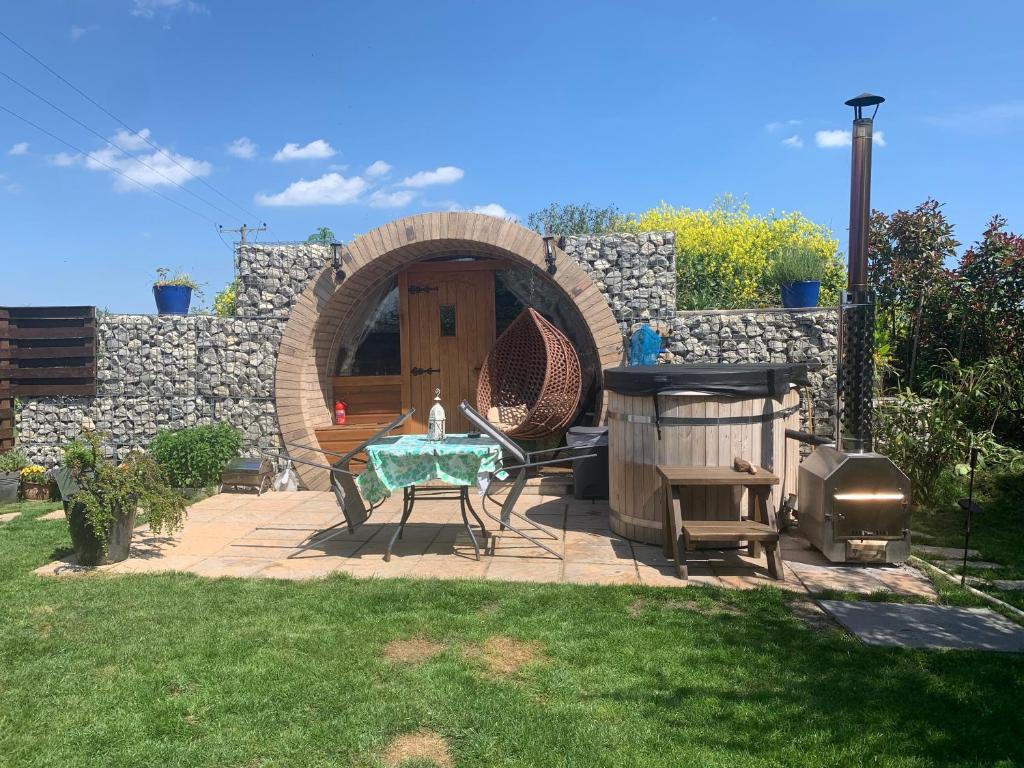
[181,671]
[997,534]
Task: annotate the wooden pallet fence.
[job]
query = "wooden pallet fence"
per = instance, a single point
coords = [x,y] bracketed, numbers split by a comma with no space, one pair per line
[44,351]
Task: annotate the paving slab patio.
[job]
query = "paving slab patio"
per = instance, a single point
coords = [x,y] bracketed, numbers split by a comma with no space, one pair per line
[275,536]
[927,626]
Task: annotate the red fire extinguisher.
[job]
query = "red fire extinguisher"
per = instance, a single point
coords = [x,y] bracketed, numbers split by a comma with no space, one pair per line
[339,412]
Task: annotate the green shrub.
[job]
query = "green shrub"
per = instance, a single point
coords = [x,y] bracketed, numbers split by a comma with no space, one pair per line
[195,457]
[13,460]
[224,303]
[930,439]
[83,454]
[796,263]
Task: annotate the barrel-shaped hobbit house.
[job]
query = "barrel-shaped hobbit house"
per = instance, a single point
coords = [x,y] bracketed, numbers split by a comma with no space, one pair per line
[416,306]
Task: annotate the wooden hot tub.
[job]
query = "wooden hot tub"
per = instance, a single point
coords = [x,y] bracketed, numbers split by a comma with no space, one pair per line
[700,415]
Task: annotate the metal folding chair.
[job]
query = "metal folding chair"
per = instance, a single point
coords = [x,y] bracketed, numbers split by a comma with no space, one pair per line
[522,463]
[354,510]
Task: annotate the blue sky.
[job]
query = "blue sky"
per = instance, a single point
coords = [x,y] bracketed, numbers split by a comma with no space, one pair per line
[351,114]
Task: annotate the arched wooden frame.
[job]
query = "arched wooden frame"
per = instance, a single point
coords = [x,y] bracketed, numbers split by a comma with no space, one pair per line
[309,344]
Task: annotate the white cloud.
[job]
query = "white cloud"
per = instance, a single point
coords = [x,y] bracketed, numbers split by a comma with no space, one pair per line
[773,127]
[148,9]
[329,189]
[315,150]
[63,159]
[794,141]
[162,170]
[396,199]
[21,148]
[446,174]
[840,138]
[377,169]
[832,139]
[78,32]
[493,209]
[243,148]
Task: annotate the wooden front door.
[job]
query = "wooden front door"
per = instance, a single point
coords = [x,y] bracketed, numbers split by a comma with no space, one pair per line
[447,330]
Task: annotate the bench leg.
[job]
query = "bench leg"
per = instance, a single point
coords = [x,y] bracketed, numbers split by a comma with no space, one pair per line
[677,536]
[682,544]
[775,570]
[753,547]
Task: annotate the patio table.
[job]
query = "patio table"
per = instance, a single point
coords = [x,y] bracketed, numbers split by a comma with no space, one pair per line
[406,461]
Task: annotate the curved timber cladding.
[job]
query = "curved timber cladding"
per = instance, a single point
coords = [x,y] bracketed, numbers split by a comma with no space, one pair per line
[306,356]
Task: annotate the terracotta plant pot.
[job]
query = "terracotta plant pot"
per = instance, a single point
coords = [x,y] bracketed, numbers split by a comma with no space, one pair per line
[35,491]
[89,549]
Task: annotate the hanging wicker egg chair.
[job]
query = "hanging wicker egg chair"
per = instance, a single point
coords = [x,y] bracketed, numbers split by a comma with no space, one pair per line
[530,383]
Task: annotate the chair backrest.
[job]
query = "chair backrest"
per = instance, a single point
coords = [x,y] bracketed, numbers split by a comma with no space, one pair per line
[380,434]
[489,429]
[67,485]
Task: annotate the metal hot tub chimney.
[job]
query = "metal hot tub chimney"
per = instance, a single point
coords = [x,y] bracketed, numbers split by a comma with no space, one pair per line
[855,503]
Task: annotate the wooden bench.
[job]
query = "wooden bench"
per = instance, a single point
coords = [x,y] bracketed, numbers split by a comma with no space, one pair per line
[760,529]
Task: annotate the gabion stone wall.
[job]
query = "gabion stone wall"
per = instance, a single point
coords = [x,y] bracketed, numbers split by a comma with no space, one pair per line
[172,372]
[271,276]
[766,336]
[165,372]
[636,272]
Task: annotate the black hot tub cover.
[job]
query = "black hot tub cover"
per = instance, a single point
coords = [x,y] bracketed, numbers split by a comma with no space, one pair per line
[734,380]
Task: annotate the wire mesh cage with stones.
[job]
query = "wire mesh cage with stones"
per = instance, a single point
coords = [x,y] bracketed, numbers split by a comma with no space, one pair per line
[856,375]
[530,383]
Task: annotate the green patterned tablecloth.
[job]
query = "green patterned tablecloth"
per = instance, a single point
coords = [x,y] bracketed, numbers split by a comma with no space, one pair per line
[398,462]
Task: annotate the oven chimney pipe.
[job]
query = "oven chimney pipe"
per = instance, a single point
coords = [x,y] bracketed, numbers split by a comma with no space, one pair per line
[856,378]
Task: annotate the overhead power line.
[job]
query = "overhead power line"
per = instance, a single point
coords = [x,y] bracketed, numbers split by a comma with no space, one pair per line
[134,157]
[106,165]
[119,121]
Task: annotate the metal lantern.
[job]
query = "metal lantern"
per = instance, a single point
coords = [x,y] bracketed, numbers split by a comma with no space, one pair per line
[435,422]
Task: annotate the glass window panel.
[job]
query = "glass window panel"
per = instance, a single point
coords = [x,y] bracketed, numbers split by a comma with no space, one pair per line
[447,319]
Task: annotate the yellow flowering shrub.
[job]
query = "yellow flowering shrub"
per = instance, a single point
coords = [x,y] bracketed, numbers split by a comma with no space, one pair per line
[33,474]
[723,254]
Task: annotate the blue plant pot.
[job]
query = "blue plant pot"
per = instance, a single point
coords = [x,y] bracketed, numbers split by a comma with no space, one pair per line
[802,293]
[172,299]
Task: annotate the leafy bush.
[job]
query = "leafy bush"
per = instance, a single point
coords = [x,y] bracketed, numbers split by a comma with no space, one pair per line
[573,219]
[930,439]
[723,254]
[224,303]
[795,263]
[83,454]
[108,490]
[13,460]
[323,236]
[195,457]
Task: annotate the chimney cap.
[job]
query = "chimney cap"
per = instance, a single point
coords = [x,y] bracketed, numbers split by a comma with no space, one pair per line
[865,100]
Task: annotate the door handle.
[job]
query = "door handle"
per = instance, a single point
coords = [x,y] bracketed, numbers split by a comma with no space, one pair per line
[420,371]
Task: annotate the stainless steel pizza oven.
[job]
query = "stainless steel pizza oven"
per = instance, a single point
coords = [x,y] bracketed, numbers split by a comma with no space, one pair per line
[855,506]
[854,503]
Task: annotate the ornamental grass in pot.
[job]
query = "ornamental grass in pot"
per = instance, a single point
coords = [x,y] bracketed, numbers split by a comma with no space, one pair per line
[798,272]
[173,293]
[11,464]
[102,512]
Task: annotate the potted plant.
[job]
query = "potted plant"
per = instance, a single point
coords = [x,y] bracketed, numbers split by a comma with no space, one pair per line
[11,464]
[173,293]
[35,485]
[798,272]
[101,514]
